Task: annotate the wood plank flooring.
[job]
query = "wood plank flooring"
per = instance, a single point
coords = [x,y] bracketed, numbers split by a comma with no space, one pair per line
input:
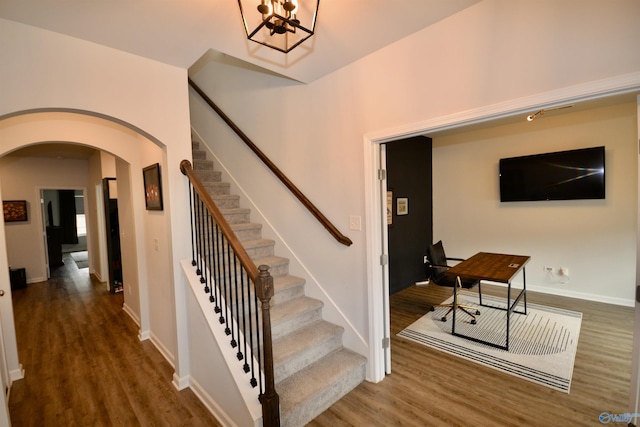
[84,364]
[430,388]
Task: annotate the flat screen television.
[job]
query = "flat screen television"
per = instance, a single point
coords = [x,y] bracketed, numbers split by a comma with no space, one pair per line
[563,175]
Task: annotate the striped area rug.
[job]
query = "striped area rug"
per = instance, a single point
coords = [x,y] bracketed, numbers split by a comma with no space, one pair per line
[542,345]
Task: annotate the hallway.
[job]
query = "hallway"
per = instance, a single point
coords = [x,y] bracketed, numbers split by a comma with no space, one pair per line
[84,364]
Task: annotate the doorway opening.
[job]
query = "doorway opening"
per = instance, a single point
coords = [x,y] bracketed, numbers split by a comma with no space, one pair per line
[65,227]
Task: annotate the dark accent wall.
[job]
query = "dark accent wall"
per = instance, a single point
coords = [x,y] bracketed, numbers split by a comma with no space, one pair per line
[409,176]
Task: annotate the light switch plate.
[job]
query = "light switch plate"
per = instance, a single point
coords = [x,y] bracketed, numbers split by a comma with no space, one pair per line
[355,222]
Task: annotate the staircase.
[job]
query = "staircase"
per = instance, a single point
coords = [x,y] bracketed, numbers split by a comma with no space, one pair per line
[312,368]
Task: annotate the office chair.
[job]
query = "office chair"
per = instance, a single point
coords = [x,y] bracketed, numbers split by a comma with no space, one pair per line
[436,266]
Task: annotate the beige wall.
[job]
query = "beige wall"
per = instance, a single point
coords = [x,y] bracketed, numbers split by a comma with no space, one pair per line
[56,88]
[494,57]
[22,179]
[594,239]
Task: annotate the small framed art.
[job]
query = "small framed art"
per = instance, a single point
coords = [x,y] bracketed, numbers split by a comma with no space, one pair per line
[402,206]
[15,210]
[152,187]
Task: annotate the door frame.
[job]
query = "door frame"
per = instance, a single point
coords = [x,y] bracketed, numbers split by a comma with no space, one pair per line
[375,204]
[43,221]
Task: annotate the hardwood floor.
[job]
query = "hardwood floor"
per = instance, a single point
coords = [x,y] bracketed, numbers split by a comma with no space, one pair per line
[430,388]
[84,364]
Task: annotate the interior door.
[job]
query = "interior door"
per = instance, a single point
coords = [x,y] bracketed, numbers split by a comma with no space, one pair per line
[409,187]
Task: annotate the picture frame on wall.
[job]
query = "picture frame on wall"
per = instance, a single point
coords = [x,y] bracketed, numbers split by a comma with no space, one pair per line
[15,210]
[152,187]
[402,206]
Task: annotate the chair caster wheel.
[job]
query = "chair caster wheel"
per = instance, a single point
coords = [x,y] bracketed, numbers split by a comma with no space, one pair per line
[473,321]
[432,309]
[477,312]
[444,319]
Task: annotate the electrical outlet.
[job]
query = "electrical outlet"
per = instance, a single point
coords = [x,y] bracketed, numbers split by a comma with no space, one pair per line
[548,269]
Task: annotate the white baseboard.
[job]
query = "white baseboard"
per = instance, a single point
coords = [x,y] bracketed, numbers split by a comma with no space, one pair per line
[577,295]
[181,383]
[163,350]
[16,374]
[131,314]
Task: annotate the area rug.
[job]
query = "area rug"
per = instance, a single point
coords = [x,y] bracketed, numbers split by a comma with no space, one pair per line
[542,344]
[81,259]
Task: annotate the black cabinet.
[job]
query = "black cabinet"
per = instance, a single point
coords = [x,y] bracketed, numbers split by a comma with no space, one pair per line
[18,278]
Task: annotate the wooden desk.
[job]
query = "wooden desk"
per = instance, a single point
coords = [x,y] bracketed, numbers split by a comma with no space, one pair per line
[496,268]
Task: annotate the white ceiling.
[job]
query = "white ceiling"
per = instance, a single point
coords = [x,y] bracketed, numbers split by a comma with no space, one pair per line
[179,32]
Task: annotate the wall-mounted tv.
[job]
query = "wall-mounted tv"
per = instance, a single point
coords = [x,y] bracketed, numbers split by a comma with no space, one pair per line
[563,175]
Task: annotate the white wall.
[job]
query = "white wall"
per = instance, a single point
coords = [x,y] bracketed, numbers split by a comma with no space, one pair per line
[594,239]
[494,52]
[22,179]
[44,71]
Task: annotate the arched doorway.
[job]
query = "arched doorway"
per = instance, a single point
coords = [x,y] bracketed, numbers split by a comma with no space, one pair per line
[129,149]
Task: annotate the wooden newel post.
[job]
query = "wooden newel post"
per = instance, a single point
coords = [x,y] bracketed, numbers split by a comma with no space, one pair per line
[270,399]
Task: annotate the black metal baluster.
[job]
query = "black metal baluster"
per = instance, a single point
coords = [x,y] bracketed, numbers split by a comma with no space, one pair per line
[193,226]
[227,279]
[233,283]
[205,244]
[243,286]
[223,282]
[211,258]
[200,208]
[218,308]
[259,341]
[207,255]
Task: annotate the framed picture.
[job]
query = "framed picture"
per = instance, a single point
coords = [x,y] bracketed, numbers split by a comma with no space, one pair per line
[152,187]
[14,210]
[402,206]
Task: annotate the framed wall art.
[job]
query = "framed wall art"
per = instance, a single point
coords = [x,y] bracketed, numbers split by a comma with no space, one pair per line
[15,210]
[402,206]
[152,187]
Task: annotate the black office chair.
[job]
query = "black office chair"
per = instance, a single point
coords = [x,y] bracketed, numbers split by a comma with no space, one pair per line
[436,266]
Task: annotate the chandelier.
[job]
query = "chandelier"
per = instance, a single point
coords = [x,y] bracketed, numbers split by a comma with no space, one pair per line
[279,24]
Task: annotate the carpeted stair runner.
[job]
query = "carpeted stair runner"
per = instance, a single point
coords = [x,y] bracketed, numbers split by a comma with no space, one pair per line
[313,370]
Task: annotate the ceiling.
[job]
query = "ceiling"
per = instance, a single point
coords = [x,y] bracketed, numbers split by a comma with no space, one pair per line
[180,32]
[187,33]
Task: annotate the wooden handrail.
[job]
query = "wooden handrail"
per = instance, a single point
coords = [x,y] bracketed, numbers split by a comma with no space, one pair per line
[281,176]
[238,249]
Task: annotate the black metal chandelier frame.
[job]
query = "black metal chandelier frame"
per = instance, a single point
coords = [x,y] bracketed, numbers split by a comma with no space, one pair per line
[279,26]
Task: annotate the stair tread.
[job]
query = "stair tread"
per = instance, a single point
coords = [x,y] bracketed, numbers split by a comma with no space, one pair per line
[292,308]
[256,243]
[234,210]
[245,225]
[319,376]
[308,336]
[271,261]
[225,196]
[288,281]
